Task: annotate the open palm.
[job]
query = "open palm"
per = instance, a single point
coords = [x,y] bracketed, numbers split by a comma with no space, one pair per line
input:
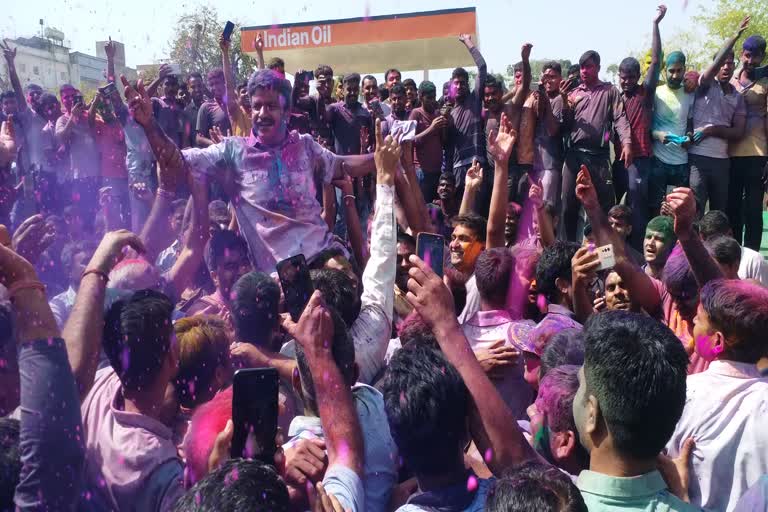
[501,143]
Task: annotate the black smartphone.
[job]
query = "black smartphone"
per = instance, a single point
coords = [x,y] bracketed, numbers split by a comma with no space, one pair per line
[254,414]
[430,248]
[296,284]
[307,76]
[78,99]
[227,32]
[108,90]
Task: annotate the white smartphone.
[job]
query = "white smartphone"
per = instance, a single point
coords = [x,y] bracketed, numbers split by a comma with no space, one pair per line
[606,257]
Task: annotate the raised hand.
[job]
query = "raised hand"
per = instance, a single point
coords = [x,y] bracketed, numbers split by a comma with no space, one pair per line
[139,101]
[33,237]
[13,267]
[466,39]
[536,192]
[8,145]
[259,43]
[142,192]
[743,25]
[585,189]
[661,11]
[8,52]
[682,202]
[584,265]
[501,142]
[314,330]
[429,295]
[345,185]
[110,250]
[224,43]
[386,156]
[525,51]
[110,48]
[217,135]
[474,176]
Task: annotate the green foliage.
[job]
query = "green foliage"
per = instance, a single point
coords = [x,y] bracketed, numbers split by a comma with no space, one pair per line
[723,19]
[537,66]
[195,44]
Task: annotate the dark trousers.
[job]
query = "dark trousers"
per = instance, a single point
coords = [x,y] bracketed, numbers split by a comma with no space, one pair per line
[428,182]
[745,199]
[85,195]
[664,175]
[709,181]
[633,182]
[600,169]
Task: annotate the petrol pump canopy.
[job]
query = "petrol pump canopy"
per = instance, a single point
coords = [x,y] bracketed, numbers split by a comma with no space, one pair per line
[412,41]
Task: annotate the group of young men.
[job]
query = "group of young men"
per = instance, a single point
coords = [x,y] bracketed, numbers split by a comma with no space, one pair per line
[593,338]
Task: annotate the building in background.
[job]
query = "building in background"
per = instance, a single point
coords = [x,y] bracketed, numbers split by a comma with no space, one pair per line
[46,60]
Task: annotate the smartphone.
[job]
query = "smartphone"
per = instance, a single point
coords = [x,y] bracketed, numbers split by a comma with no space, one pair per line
[430,248]
[108,90]
[78,99]
[606,256]
[227,32]
[254,414]
[307,76]
[296,284]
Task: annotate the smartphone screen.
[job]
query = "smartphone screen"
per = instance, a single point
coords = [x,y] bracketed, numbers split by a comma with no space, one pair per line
[227,32]
[254,414]
[296,283]
[430,248]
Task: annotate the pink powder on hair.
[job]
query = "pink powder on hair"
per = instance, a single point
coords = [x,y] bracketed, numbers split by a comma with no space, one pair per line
[208,420]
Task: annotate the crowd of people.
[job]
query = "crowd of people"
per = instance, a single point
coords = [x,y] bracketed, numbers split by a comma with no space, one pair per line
[591,341]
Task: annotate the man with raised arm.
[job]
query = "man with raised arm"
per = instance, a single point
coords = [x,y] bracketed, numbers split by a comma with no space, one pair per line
[272,172]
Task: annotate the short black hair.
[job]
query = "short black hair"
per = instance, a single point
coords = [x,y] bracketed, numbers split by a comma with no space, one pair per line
[276,63]
[352,78]
[492,82]
[405,238]
[195,74]
[714,223]
[460,73]
[554,66]
[383,92]
[269,80]
[589,55]
[238,484]
[71,249]
[573,68]
[534,486]
[725,250]
[621,211]
[343,351]
[630,65]
[255,313]
[10,461]
[564,347]
[48,98]
[370,78]
[221,242]
[637,369]
[554,263]
[398,88]
[518,66]
[391,70]
[426,402]
[409,82]
[493,271]
[338,291]
[324,69]
[473,221]
[137,337]
[7,95]
[739,309]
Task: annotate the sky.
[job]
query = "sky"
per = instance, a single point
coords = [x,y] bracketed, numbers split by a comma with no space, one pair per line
[556,28]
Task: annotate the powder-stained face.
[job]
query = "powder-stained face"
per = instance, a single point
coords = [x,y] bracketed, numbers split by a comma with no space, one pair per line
[589,71]
[270,117]
[675,74]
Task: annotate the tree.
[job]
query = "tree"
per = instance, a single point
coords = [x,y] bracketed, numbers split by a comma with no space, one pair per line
[537,66]
[613,71]
[722,20]
[195,44]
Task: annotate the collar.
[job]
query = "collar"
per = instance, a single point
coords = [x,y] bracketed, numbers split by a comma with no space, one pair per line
[648,484]
[291,138]
[451,498]
[599,85]
[135,420]
[490,318]
[734,369]
[557,309]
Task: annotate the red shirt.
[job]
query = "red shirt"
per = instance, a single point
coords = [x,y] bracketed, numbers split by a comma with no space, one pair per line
[428,153]
[639,109]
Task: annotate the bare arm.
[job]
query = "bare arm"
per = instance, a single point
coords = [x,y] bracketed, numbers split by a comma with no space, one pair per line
[482,67]
[354,229]
[652,78]
[408,203]
[638,281]
[708,76]
[191,254]
[495,428]
[472,184]
[260,52]
[328,212]
[10,59]
[583,271]
[356,166]
[546,228]
[521,93]
[233,109]
[164,71]
[500,146]
[84,328]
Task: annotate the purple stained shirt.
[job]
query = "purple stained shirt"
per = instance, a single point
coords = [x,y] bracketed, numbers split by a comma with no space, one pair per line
[276,207]
[597,112]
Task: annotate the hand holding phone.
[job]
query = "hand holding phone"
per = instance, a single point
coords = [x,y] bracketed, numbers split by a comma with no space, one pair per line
[606,256]
[254,414]
[430,248]
[227,32]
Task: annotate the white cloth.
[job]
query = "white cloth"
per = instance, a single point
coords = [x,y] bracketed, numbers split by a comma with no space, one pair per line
[726,411]
[347,486]
[753,266]
[472,302]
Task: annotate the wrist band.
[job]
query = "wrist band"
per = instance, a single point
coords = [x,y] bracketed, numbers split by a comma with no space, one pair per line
[25,285]
[166,193]
[350,196]
[96,271]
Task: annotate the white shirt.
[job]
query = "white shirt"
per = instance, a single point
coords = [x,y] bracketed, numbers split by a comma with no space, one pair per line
[726,411]
[371,330]
[753,266]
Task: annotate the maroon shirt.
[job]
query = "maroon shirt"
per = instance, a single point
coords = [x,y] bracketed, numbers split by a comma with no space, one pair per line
[639,109]
[594,112]
[428,152]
